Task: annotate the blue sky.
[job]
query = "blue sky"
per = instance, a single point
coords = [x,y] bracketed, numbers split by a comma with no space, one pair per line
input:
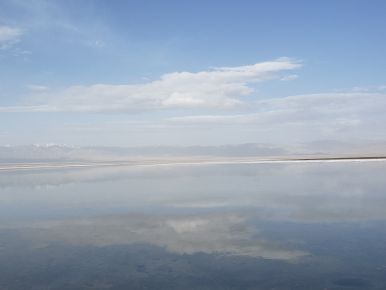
[128,73]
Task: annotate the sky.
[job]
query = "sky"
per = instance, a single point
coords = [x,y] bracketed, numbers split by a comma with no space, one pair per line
[150,73]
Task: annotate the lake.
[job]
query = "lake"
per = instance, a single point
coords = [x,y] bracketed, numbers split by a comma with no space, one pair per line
[236,226]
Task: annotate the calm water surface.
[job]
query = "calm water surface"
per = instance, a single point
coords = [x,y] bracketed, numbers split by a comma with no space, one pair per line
[263,226]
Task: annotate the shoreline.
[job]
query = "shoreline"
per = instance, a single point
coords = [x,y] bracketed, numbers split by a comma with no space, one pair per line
[181,162]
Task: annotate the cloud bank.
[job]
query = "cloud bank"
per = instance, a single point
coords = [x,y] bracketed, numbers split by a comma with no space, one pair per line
[212,106]
[222,87]
[348,108]
[324,114]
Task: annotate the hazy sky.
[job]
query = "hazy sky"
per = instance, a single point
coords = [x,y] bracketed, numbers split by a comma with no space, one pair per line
[192,72]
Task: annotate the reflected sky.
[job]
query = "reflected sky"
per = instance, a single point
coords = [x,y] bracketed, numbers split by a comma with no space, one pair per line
[326,218]
[296,192]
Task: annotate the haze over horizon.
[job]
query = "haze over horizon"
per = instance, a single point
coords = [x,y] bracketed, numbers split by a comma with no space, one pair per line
[188,73]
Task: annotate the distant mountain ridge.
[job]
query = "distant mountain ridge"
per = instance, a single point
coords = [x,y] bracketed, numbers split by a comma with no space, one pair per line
[54,152]
[63,153]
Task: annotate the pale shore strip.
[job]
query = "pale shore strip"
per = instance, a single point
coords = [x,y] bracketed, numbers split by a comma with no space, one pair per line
[153,163]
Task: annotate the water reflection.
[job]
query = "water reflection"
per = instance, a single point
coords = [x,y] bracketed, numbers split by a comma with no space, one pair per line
[222,233]
[297,192]
[294,226]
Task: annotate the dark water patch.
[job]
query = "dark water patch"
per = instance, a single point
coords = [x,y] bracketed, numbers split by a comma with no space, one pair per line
[352,282]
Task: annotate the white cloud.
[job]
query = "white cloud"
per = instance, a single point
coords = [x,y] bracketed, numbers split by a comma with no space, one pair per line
[346,107]
[303,117]
[37,88]
[24,109]
[221,87]
[214,119]
[289,78]
[287,120]
[9,35]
